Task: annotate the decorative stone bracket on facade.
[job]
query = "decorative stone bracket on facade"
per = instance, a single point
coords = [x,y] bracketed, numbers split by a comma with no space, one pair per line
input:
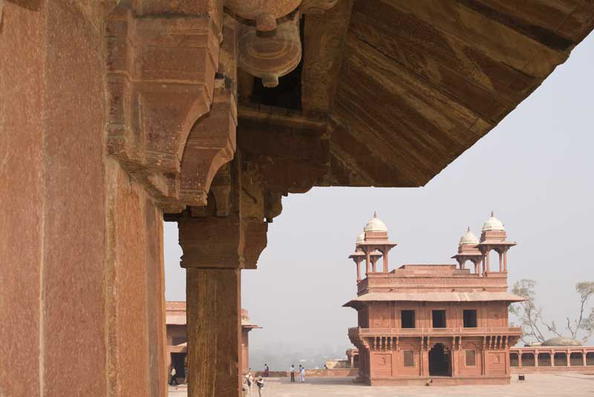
[171,79]
[161,80]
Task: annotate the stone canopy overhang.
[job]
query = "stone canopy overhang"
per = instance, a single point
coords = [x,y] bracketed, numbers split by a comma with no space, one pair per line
[482,296]
[404,87]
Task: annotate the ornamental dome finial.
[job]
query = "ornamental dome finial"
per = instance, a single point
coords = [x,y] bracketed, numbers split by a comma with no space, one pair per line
[468,238]
[375,225]
[493,224]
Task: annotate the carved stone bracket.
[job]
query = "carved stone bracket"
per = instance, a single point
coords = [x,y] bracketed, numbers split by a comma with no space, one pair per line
[161,80]
[230,231]
[211,144]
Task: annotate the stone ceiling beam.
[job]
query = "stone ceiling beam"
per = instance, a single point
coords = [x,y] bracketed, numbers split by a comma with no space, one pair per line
[324,35]
[489,35]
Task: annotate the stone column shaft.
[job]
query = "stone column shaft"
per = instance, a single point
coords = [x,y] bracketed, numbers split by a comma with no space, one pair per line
[214,332]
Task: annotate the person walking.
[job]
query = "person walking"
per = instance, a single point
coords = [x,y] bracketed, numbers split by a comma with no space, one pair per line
[292,372]
[301,373]
[173,380]
[260,384]
[266,371]
[249,380]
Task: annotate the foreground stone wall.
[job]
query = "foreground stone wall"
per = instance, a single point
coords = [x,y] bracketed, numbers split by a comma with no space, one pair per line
[81,274]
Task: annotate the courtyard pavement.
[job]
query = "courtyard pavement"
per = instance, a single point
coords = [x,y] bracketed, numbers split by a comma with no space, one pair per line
[535,385]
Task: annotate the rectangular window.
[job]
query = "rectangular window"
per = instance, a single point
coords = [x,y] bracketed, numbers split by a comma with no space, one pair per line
[470,358]
[439,318]
[409,358]
[470,319]
[407,318]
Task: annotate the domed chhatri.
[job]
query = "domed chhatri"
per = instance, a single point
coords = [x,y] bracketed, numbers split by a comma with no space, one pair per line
[469,238]
[360,238]
[374,245]
[493,224]
[376,225]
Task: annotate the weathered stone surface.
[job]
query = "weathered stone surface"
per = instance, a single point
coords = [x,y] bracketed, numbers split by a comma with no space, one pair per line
[324,36]
[287,152]
[74,235]
[444,72]
[21,245]
[80,234]
[136,364]
[161,81]
[214,326]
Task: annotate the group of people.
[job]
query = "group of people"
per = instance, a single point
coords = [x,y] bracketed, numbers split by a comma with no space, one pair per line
[301,371]
[250,381]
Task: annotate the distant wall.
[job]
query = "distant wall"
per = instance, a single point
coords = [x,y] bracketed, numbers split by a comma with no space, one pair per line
[338,372]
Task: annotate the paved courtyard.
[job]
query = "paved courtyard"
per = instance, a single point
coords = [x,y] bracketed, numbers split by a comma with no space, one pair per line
[536,385]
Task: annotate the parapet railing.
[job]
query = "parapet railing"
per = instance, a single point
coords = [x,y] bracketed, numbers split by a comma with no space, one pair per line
[416,332]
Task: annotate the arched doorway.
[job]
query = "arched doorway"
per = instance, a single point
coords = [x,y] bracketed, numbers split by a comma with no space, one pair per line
[440,361]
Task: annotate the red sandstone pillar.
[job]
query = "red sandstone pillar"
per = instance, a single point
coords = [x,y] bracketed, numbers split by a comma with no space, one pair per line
[385,259]
[214,339]
[212,249]
[80,258]
[367,262]
[358,261]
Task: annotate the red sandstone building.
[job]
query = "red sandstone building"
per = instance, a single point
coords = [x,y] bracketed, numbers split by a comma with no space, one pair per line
[440,323]
[177,339]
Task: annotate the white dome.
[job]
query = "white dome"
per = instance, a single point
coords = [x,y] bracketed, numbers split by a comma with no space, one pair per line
[376,225]
[468,238]
[361,238]
[493,224]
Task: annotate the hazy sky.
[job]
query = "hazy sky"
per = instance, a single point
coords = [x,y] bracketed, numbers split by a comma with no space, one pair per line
[534,170]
